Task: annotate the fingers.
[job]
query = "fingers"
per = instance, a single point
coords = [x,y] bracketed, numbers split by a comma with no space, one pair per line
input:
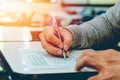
[101,76]
[53,44]
[51,37]
[49,47]
[88,58]
[87,52]
[84,61]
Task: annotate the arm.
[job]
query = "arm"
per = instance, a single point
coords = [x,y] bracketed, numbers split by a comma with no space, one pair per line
[100,30]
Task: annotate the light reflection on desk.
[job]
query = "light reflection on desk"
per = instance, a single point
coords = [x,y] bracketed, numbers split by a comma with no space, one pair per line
[16,33]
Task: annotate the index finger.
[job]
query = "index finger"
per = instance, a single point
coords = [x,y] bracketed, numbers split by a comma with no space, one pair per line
[51,37]
[87,61]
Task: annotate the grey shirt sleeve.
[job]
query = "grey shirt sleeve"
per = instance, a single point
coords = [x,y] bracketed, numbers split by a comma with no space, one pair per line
[102,29]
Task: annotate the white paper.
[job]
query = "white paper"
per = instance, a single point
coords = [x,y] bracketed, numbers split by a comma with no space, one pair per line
[39,58]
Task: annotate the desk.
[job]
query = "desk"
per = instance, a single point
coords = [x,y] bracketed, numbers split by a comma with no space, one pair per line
[10,49]
[11,53]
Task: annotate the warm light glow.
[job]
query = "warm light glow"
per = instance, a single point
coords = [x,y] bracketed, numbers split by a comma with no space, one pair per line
[53,13]
[53,1]
[28,1]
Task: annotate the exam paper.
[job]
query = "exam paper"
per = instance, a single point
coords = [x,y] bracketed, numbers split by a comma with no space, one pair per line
[39,58]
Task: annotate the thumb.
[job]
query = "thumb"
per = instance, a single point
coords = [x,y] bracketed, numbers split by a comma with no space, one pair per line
[96,77]
[67,38]
[67,43]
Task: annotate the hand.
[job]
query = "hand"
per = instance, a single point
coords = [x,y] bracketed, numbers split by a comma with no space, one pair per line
[107,62]
[52,44]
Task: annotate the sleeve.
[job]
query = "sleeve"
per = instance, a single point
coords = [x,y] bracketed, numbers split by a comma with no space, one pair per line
[104,29]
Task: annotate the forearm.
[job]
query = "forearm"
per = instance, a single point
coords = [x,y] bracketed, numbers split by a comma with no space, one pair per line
[87,34]
[105,28]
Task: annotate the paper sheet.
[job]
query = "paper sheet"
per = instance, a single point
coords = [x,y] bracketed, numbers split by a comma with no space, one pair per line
[39,58]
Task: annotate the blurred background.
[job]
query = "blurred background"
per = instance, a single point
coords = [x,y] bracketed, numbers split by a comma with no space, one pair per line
[23,21]
[37,13]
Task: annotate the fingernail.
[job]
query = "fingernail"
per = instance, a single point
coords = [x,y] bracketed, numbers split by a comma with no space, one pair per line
[66,47]
[59,52]
[68,54]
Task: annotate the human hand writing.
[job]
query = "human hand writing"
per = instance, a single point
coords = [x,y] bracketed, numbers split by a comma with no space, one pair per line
[52,44]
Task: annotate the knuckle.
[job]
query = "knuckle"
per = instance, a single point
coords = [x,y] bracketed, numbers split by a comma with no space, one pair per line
[49,37]
[111,50]
[86,58]
[85,52]
[58,44]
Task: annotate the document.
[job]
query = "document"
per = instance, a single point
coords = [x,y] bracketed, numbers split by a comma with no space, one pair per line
[40,59]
